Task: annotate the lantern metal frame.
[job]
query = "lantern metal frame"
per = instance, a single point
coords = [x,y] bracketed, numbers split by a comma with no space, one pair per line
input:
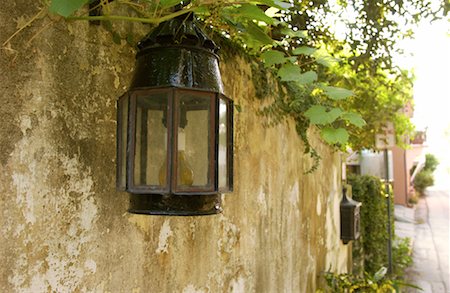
[203,82]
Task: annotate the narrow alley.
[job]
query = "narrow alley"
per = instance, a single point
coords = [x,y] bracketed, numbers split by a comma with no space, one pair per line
[430,269]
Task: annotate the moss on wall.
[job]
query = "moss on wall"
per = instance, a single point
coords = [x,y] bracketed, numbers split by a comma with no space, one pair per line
[66,229]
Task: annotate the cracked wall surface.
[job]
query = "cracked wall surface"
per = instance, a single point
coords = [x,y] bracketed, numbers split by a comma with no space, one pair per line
[64,227]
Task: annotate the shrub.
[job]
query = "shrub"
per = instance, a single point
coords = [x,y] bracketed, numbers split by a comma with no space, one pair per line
[376,283]
[423,180]
[431,162]
[414,199]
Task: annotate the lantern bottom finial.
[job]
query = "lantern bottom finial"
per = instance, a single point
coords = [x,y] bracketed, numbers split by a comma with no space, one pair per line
[175,205]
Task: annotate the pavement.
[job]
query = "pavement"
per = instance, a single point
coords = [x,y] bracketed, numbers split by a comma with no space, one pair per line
[427,225]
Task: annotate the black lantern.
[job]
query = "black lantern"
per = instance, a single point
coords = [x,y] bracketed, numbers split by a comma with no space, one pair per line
[350,215]
[175,125]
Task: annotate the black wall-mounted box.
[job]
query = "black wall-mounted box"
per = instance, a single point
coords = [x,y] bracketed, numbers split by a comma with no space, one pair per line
[350,218]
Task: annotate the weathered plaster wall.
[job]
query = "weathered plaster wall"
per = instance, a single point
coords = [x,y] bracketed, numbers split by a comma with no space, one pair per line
[64,228]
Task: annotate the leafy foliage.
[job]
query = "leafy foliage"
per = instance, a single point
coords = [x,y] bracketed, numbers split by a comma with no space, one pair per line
[376,283]
[294,40]
[373,27]
[401,257]
[378,98]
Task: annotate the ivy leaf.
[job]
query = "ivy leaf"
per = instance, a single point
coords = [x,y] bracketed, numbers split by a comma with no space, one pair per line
[256,34]
[318,114]
[202,10]
[304,51]
[380,274]
[252,12]
[323,57]
[294,34]
[273,57]
[130,39]
[289,72]
[169,3]
[354,118]
[326,60]
[107,25]
[283,4]
[337,93]
[307,77]
[292,59]
[66,7]
[116,38]
[335,135]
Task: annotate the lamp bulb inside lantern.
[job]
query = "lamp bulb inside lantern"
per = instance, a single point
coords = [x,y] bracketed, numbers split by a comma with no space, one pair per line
[185,175]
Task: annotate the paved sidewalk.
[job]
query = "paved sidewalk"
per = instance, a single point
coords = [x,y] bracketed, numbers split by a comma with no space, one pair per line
[404,222]
[429,232]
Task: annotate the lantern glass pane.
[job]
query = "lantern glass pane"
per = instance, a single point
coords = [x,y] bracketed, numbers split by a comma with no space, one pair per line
[122,126]
[194,133]
[150,157]
[223,151]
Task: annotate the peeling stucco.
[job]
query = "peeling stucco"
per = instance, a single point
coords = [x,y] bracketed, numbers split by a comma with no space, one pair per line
[318,207]
[64,227]
[229,239]
[164,234]
[191,289]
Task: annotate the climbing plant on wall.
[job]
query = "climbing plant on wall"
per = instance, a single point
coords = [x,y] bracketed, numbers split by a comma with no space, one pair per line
[346,88]
[371,247]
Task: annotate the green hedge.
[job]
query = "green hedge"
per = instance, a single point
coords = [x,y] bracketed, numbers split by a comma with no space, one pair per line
[370,250]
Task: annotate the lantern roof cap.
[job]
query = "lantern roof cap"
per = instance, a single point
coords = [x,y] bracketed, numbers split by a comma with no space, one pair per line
[178,54]
[182,31]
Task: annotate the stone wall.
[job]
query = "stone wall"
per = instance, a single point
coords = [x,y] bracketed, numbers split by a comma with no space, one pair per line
[64,228]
